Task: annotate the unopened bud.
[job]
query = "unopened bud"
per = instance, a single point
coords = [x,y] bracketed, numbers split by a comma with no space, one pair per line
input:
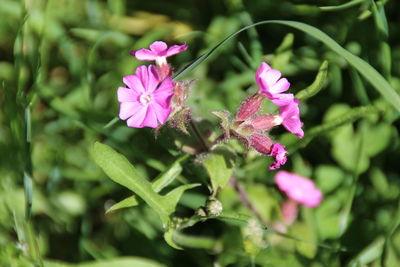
[214,207]
[164,69]
[265,122]
[261,143]
[249,107]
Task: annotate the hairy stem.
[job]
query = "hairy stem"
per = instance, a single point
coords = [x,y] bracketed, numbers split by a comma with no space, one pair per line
[246,201]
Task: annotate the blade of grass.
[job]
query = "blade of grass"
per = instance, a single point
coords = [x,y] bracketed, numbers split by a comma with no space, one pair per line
[341,7]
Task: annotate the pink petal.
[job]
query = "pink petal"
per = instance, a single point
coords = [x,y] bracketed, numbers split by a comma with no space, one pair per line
[128,109]
[281,86]
[158,47]
[134,83]
[282,99]
[262,69]
[298,188]
[176,49]
[150,120]
[153,79]
[270,78]
[161,113]
[137,119]
[144,54]
[126,95]
[143,76]
[164,93]
[278,151]
[291,118]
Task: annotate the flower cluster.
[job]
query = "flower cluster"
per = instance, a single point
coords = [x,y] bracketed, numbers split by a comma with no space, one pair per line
[146,101]
[151,97]
[252,128]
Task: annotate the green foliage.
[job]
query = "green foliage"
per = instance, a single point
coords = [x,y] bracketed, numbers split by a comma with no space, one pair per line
[61,199]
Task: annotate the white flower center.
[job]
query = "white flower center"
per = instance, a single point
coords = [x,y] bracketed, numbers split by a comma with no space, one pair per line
[145,99]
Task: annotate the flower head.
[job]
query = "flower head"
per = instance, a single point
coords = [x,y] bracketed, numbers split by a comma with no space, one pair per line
[269,82]
[159,51]
[278,151]
[290,115]
[298,188]
[146,101]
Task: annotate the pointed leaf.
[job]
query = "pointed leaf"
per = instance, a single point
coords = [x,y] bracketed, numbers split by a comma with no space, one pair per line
[317,85]
[225,122]
[169,175]
[168,236]
[125,203]
[219,165]
[118,168]
[171,199]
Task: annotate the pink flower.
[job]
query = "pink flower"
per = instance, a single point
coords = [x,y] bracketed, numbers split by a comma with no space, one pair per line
[159,51]
[146,101]
[290,115]
[278,151]
[270,84]
[298,188]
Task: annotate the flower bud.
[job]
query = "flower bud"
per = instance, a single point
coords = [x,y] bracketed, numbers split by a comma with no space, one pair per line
[261,143]
[265,122]
[249,107]
[214,207]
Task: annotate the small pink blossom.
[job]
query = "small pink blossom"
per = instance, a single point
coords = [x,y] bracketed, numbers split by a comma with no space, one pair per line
[146,101]
[158,52]
[290,115]
[298,188]
[270,84]
[278,151]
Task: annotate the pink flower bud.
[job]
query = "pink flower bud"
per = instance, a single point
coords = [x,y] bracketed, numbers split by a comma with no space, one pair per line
[249,107]
[261,143]
[265,122]
[289,210]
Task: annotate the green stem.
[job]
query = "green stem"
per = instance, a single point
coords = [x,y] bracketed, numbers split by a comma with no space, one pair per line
[198,136]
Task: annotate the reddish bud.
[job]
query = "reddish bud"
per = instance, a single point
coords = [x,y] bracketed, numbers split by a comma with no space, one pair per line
[249,107]
[265,122]
[181,92]
[261,143]
[164,70]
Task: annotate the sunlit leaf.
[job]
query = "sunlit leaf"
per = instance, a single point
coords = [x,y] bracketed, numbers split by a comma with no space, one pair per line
[125,203]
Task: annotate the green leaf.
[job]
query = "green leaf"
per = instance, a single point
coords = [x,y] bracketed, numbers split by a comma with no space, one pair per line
[341,7]
[366,70]
[317,85]
[119,169]
[369,254]
[225,121]
[328,177]
[172,198]
[116,262]
[168,237]
[219,165]
[125,203]
[169,175]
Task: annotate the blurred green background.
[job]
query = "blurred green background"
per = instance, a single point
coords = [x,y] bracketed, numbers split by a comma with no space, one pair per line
[61,63]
